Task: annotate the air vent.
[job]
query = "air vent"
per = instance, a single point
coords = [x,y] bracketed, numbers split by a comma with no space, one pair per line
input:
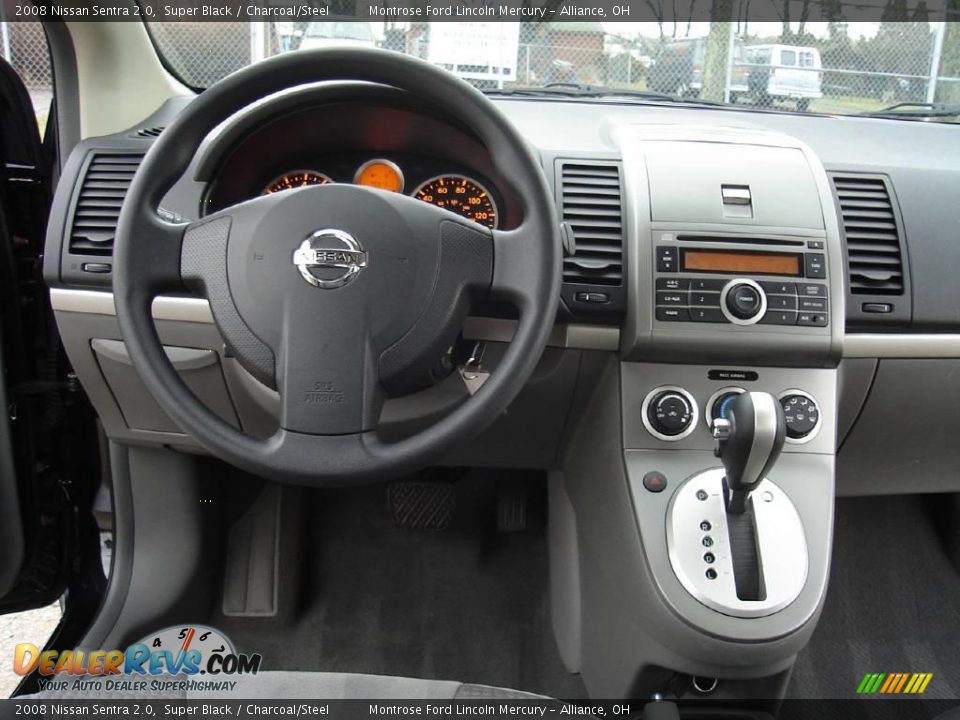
[874,255]
[590,204]
[149,132]
[98,206]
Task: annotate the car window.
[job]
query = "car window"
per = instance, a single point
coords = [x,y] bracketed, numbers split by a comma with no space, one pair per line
[25,47]
[863,66]
[339,31]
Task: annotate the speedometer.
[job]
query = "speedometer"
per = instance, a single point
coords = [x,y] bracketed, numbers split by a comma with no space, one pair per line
[461,195]
[296,179]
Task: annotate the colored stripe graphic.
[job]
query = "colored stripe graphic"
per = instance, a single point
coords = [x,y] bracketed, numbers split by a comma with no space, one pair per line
[894,683]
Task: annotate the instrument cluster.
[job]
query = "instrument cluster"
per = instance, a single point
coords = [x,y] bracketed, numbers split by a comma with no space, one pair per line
[454,191]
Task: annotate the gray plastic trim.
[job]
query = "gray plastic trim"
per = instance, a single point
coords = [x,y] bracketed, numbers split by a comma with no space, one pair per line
[902,345]
[574,336]
[197,310]
[181,309]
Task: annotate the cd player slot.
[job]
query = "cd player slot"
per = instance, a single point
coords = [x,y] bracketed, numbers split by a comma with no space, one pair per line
[740,240]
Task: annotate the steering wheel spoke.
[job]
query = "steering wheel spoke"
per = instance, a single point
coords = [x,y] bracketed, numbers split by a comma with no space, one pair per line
[328,372]
[517,272]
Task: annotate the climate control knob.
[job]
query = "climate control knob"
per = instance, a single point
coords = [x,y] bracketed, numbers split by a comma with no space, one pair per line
[670,413]
[802,415]
[743,301]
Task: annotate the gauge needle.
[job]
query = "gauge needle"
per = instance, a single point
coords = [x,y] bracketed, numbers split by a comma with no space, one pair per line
[186,641]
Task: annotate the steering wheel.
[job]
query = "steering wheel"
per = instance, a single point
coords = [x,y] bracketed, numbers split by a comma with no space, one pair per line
[337,295]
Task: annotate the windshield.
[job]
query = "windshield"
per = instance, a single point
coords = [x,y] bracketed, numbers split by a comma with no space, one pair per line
[340,30]
[907,69]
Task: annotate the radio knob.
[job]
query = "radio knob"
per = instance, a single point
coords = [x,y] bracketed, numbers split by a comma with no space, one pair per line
[744,301]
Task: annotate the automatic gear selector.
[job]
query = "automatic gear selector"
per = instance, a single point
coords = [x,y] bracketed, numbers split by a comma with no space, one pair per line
[749,441]
[735,540]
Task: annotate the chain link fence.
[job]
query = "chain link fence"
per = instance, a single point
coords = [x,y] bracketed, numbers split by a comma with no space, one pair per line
[820,67]
[24,46]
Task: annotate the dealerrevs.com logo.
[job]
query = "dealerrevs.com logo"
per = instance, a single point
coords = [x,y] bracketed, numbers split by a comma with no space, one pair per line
[150,664]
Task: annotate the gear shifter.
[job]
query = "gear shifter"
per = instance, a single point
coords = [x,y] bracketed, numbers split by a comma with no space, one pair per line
[749,441]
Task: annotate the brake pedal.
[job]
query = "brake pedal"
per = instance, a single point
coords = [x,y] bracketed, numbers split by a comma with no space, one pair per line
[421,505]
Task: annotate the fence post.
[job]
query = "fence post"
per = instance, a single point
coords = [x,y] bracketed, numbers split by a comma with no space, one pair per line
[6,41]
[731,44]
[935,61]
[257,35]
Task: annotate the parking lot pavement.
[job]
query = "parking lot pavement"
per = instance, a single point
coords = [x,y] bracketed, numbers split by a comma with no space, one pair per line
[32,626]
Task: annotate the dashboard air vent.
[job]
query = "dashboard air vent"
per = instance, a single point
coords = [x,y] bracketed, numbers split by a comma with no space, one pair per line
[149,132]
[98,205]
[874,255]
[590,204]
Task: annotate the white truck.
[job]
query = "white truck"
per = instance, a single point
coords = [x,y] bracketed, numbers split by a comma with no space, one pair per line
[483,53]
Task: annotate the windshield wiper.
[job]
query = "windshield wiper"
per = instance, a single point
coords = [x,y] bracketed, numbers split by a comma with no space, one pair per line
[915,111]
[575,90]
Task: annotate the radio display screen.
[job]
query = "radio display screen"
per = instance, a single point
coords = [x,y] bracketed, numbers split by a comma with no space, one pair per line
[741,262]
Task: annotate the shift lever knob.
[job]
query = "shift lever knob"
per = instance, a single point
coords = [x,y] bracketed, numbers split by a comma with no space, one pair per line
[749,441]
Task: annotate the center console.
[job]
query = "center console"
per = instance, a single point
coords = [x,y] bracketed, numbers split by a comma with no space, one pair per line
[713,522]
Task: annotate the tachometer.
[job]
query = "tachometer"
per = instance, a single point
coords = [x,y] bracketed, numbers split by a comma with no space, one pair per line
[296,179]
[380,173]
[461,195]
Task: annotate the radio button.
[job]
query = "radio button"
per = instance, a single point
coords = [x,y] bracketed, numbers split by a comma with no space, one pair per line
[782,302]
[673,314]
[666,259]
[707,285]
[815,265]
[675,283]
[779,317]
[812,290]
[702,299]
[818,304]
[812,319]
[778,288]
[666,297]
[706,314]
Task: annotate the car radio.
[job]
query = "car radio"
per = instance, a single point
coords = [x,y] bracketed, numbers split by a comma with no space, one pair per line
[777,282]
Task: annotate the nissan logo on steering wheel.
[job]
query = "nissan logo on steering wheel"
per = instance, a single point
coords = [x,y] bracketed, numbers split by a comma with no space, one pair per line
[329,258]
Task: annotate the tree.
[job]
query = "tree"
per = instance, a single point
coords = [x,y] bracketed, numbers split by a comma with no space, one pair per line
[717,51]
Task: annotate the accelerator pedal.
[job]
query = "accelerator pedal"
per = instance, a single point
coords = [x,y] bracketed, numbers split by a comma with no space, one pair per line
[421,504]
[511,510]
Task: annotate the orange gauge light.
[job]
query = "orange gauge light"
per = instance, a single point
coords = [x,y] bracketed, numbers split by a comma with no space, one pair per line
[461,195]
[296,179]
[380,173]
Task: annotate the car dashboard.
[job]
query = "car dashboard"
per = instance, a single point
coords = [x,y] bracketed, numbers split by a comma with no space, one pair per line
[631,181]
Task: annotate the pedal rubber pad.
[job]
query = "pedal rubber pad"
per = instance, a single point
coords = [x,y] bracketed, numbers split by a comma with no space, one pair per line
[421,505]
[512,510]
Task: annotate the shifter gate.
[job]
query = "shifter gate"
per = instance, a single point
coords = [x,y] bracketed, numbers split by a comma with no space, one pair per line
[698,543]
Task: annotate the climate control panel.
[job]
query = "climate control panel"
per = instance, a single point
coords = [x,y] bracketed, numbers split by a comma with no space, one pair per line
[670,412]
